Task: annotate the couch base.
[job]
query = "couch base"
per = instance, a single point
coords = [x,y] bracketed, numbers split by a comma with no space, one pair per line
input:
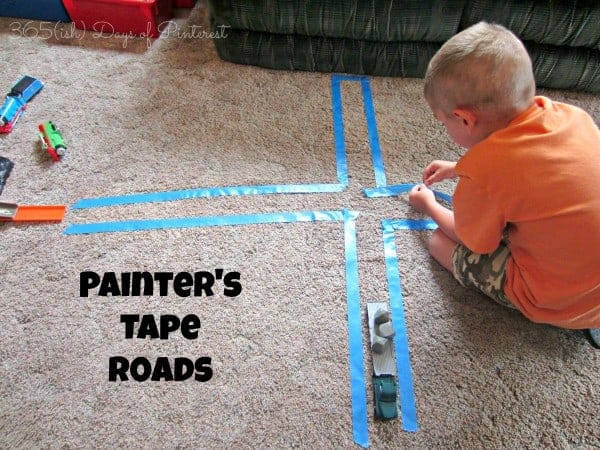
[575,68]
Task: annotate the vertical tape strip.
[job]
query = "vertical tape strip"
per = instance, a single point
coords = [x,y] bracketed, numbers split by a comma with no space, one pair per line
[355,345]
[408,407]
[376,156]
[338,129]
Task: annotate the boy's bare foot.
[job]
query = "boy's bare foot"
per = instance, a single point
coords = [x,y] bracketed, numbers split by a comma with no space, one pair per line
[593,335]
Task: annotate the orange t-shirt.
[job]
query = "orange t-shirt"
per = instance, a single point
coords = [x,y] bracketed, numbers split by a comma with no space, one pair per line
[537,183]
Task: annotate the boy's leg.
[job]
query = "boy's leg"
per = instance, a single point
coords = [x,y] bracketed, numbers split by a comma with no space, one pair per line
[485,273]
[441,247]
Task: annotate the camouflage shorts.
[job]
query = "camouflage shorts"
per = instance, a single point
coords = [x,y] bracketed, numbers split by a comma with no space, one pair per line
[485,273]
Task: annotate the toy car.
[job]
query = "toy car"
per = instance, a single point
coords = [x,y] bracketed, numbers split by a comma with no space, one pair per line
[16,101]
[51,140]
[384,393]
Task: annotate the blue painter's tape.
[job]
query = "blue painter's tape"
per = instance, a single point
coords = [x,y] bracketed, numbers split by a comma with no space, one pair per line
[206,192]
[203,221]
[355,346]
[408,406]
[397,189]
[376,155]
[357,377]
[347,77]
[183,194]
[338,129]
[409,224]
[388,191]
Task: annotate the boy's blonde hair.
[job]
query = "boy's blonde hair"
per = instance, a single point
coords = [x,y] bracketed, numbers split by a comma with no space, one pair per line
[485,67]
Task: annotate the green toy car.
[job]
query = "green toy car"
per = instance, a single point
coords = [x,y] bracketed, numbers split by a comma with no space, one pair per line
[52,140]
[385,395]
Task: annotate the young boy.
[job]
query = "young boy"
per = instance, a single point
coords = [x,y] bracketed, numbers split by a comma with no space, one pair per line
[525,229]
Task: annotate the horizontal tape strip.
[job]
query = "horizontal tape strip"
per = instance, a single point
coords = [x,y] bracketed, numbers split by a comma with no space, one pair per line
[347,77]
[397,189]
[206,221]
[409,224]
[205,193]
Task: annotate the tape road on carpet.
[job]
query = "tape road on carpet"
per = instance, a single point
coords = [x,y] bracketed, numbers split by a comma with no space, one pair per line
[202,221]
[183,194]
[355,346]
[356,362]
[408,407]
[376,156]
[355,352]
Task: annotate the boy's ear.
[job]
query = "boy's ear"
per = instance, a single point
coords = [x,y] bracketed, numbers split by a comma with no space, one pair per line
[468,118]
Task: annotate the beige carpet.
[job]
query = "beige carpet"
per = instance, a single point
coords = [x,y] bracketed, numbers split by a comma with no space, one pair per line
[143,116]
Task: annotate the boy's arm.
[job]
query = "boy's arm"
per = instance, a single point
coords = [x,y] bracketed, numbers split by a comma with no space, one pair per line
[481,219]
[438,171]
[444,217]
[423,200]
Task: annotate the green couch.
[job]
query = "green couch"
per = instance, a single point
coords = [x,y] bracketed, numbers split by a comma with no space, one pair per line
[398,38]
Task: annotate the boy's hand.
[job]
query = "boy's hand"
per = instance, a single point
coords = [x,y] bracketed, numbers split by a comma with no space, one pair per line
[438,171]
[421,198]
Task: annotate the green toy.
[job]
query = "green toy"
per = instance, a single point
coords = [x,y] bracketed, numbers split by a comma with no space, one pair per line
[51,140]
[384,396]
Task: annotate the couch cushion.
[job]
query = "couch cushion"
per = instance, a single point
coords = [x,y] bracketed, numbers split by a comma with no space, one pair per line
[554,22]
[372,20]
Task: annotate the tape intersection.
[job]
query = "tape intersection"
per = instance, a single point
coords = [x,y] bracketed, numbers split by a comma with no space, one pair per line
[348,218]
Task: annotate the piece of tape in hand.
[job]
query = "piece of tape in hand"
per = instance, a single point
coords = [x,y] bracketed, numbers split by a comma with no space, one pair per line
[397,189]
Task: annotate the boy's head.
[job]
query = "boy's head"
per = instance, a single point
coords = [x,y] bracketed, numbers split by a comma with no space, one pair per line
[481,78]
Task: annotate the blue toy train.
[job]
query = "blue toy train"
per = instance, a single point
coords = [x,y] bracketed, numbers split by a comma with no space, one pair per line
[16,101]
